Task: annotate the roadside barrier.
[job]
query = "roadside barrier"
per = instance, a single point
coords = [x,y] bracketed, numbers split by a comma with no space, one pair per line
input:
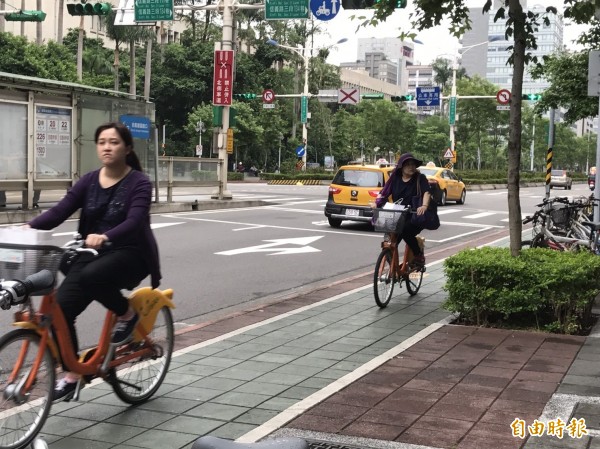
[305,182]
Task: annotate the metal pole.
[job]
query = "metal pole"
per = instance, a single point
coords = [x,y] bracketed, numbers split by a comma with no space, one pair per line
[597,186]
[550,150]
[453,94]
[305,93]
[532,144]
[156,177]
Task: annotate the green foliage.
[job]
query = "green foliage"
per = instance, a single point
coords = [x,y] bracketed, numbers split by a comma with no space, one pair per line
[550,290]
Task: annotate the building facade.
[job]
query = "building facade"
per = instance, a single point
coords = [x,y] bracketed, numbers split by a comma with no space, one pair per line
[419,76]
[376,65]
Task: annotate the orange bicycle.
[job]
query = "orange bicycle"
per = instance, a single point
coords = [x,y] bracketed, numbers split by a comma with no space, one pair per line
[388,269]
[30,355]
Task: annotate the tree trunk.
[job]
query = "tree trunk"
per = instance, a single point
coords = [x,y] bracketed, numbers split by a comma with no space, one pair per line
[39,38]
[148,69]
[163,41]
[514,139]
[116,65]
[132,86]
[80,50]
[59,24]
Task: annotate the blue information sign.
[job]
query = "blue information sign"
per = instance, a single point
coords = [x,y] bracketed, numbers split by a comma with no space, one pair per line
[139,126]
[428,96]
[325,9]
[300,151]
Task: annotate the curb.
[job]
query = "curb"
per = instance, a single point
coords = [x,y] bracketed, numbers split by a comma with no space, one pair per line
[305,182]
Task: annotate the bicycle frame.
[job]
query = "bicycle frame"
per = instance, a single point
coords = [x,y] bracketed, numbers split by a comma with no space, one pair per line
[399,269]
[146,301]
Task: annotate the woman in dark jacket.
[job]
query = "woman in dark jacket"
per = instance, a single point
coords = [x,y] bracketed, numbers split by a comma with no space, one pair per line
[115,207]
[402,187]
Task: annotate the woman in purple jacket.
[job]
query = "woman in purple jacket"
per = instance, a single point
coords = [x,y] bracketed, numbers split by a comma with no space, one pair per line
[115,207]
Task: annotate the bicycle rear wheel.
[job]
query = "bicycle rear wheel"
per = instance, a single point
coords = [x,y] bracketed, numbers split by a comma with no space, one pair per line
[138,379]
[383,279]
[24,412]
[413,281]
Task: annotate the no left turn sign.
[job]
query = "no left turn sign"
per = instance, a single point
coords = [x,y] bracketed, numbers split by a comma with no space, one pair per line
[503,96]
[268,96]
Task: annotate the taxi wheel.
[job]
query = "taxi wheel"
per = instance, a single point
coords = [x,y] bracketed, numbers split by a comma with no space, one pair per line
[443,198]
[463,196]
[334,222]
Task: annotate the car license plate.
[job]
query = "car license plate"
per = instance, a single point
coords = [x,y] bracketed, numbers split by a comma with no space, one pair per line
[352,212]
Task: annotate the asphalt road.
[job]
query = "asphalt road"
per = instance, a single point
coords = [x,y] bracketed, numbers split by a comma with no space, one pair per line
[224,260]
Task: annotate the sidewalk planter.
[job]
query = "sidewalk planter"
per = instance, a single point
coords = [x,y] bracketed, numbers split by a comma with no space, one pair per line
[544,289]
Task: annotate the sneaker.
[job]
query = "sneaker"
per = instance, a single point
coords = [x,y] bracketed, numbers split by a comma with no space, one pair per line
[64,391]
[419,261]
[123,330]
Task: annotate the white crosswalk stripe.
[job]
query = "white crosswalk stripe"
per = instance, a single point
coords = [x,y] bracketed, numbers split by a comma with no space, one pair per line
[479,215]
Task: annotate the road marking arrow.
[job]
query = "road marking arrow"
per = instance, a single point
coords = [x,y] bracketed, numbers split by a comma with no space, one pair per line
[271,247]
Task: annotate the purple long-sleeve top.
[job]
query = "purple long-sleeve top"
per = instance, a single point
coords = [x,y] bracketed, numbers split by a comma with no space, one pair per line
[133,197]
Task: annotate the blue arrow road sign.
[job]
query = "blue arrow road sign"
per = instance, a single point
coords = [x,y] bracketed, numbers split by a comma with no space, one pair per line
[300,151]
[428,96]
[325,9]
[139,126]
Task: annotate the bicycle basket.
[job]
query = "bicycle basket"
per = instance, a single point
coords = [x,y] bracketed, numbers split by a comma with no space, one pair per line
[20,261]
[385,220]
[560,215]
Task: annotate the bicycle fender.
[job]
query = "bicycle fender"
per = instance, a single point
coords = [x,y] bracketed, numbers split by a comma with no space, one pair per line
[34,327]
[147,302]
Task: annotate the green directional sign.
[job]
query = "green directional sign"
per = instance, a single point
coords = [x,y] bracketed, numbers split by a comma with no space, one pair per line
[153,10]
[304,109]
[452,112]
[286,9]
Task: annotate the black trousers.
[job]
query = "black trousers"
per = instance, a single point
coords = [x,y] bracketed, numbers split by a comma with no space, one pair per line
[100,278]
[409,235]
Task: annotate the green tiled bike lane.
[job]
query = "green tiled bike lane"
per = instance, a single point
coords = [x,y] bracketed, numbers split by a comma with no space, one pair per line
[248,380]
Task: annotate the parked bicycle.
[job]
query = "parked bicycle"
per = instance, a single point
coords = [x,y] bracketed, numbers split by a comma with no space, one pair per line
[31,354]
[564,225]
[388,269]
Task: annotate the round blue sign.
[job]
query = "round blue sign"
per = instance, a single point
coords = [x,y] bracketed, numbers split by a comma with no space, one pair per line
[300,151]
[325,9]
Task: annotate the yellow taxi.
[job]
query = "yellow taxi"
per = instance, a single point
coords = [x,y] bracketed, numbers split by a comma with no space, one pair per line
[445,185]
[352,190]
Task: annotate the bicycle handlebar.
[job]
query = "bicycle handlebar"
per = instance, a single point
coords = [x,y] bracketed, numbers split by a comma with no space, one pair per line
[16,291]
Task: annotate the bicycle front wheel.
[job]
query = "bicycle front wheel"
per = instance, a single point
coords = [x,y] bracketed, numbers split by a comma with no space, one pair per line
[383,279]
[413,281]
[138,379]
[23,408]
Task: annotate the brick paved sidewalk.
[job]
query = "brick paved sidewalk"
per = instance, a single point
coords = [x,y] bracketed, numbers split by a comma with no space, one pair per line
[460,387]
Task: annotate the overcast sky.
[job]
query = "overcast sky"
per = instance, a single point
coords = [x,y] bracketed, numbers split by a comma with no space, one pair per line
[436,41]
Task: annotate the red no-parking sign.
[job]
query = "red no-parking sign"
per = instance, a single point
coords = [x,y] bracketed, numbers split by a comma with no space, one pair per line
[503,96]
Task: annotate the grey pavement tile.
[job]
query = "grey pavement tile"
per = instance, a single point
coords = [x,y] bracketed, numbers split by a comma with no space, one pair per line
[168,405]
[275,358]
[263,367]
[241,338]
[371,333]
[331,373]
[65,426]
[182,379]
[288,379]
[214,360]
[241,399]
[237,373]
[584,368]
[256,416]
[217,383]
[191,424]
[588,409]
[298,392]
[359,358]
[209,349]
[197,370]
[594,443]
[265,346]
[297,368]
[94,411]
[141,418]
[153,439]
[193,394]
[317,362]
[278,403]
[579,390]
[344,348]
[77,443]
[346,365]
[588,381]
[219,412]
[232,430]
[291,350]
[239,354]
[261,388]
[332,355]
[315,382]
[109,433]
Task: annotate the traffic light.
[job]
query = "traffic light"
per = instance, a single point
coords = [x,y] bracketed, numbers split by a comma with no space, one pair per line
[365,4]
[25,16]
[244,96]
[402,97]
[531,97]
[88,9]
[372,96]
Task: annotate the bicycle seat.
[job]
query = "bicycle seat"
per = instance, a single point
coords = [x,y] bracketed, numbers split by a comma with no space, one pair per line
[210,442]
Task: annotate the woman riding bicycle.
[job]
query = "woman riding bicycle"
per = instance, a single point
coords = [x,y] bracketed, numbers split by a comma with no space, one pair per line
[115,207]
[402,186]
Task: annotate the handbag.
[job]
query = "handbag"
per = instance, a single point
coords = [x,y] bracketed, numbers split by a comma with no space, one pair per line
[429,220]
